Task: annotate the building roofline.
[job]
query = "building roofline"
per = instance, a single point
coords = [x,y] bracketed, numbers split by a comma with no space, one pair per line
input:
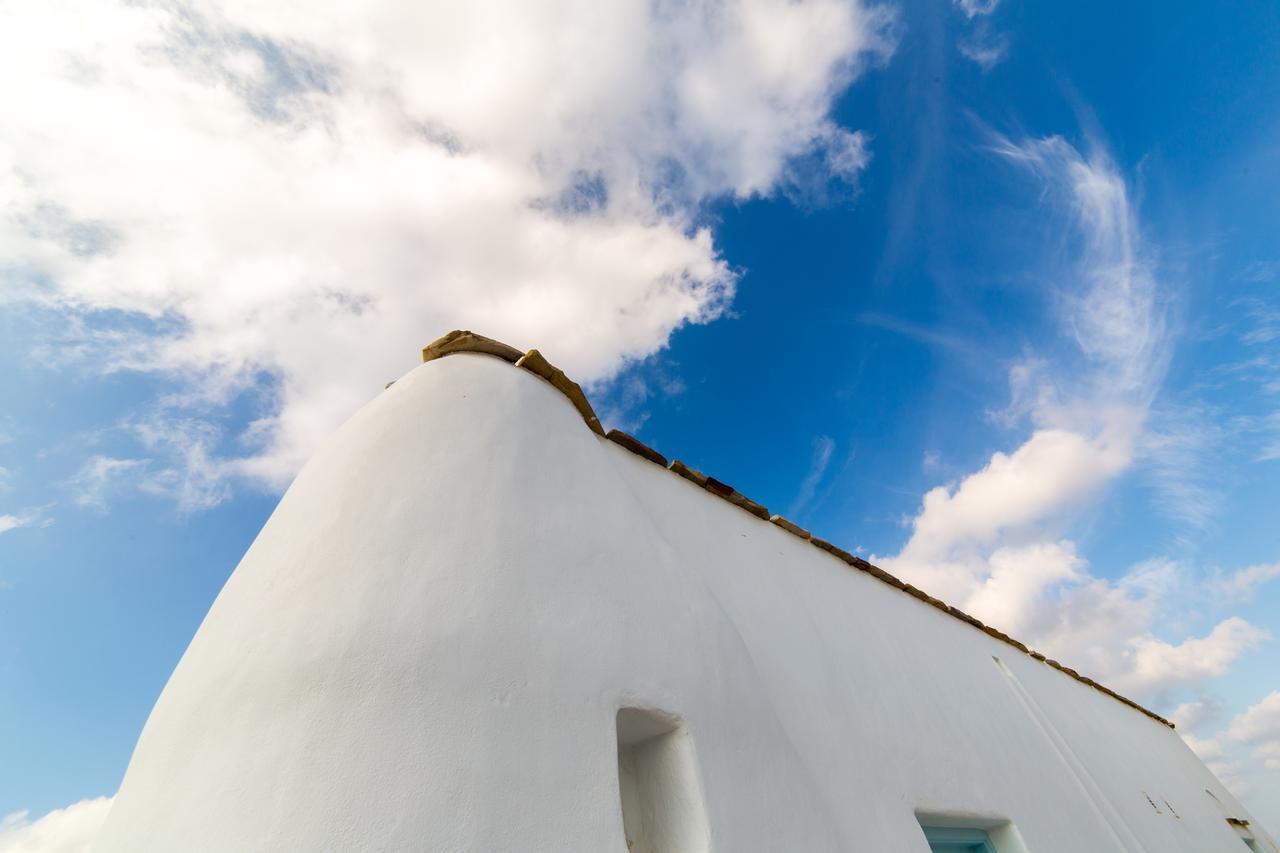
[462,340]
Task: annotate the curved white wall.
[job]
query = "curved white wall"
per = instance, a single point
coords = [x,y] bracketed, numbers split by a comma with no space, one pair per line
[427,646]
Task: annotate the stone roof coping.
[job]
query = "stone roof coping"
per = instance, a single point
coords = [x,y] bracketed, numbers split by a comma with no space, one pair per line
[463,340]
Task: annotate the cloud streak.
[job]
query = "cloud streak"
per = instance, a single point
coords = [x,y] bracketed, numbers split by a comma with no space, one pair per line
[823,447]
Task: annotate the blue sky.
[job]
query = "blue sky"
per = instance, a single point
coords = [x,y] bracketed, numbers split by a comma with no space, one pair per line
[988,291]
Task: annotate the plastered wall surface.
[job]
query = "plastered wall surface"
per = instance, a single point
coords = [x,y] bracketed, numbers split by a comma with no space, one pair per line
[428,643]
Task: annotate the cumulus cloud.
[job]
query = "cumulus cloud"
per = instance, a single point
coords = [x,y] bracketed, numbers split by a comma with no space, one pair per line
[993,542]
[68,830]
[1260,722]
[1189,716]
[1155,665]
[277,204]
[1259,728]
[957,526]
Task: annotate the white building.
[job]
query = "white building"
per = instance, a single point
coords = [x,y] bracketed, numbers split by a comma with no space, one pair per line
[473,624]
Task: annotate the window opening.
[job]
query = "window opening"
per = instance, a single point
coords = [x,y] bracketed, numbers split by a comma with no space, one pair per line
[957,840]
[662,807]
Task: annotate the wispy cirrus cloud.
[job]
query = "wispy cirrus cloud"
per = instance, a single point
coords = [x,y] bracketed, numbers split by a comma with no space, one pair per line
[982,44]
[182,465]
[823,447]
[1260,272]
[1177,451]
[98,477]
[976,8]
[276,210]
[994,542]
[985,48]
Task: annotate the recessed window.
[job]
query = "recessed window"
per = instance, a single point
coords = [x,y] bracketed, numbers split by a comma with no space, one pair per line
[969,833]
[958,840]
[662,809]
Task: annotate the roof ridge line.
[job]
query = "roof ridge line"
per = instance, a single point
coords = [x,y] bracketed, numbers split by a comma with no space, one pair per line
[466,341]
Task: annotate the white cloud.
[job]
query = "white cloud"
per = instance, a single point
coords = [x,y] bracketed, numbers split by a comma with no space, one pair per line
[847,154]
[1189,716]
[1259,722]
[68,830]
[1269,753]
[1208,749]
[1110,306]
[974,8]
[30,517]
[984,47]
[1052,470]
[10,522]
[992,543]
[1241,585]
[98,476]
[1155,665]
[1259,726]
[297,196]
[1015,579]
[184,467]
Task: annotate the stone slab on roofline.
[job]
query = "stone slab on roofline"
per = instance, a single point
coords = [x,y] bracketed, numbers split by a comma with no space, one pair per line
[533,361]
[791,527]
[637,447]
[465,340]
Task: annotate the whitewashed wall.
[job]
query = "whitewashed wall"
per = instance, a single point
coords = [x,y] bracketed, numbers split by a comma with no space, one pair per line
[427,645]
